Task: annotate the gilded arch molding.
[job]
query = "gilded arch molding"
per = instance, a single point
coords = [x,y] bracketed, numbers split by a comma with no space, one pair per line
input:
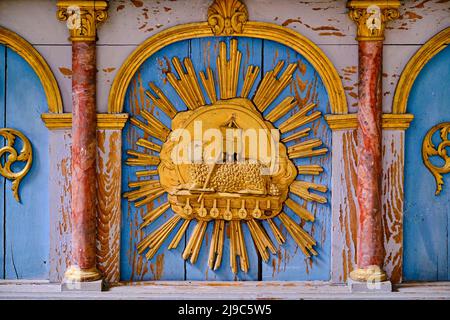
[260,30]
[431,48]
[37,62]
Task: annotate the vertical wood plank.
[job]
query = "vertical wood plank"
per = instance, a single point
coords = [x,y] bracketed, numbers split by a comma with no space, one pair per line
[426,215]
[27,223]
[392,198]
[203,53]
[2,180]
[108,207]
[344,204]
[166,264]
[306,87]
[60,142]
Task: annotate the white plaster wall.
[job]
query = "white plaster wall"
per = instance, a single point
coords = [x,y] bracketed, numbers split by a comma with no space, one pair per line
[132,21]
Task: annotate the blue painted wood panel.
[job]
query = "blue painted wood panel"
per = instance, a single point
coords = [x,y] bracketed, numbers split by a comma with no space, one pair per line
[289,263]
[307,87]
[203,54]
[166,264]
[2,180]
[26,224]
[426,216]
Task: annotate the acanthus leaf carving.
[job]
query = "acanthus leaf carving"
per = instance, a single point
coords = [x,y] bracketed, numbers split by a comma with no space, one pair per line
[226,17]
[82,18]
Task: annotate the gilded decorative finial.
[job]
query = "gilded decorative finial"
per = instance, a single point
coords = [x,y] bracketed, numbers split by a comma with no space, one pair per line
[371,17]
[82,17]
[9,156]
[226,17]
[429,150]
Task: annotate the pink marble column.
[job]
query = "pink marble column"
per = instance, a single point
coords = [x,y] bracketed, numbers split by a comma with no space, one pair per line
[84,149]
[370,248]
[370,18]
[82,18]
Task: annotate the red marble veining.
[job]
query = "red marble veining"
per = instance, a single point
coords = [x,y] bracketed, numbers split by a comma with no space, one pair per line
[370,249]
[84,148]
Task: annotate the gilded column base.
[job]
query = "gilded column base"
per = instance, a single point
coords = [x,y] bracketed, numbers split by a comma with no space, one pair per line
[76,274]
[369,274]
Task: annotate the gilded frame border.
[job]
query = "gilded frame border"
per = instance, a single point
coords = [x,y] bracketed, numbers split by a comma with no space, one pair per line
[260,30]
[432,47]
[39,65]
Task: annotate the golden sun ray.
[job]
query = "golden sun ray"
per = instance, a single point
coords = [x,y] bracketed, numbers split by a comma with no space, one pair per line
[301,189]
[300,118]
[208,84]
[202,205]
[310,169]
[299,210]
[271,87]
[228,70]
[276,232]
[187,86]
[281,109]
[216,247]
[249,80]
[162,102]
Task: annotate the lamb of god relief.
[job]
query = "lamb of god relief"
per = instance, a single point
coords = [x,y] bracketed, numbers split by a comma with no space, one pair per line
[225,163]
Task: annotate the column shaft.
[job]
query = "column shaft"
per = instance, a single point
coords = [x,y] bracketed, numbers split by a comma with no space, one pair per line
[370,250]
[84,148]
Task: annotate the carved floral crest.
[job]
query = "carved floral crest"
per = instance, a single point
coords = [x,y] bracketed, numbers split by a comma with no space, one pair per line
[226,17]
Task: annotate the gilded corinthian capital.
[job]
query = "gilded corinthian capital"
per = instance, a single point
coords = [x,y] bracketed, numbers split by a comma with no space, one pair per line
[371,17]
[82,17]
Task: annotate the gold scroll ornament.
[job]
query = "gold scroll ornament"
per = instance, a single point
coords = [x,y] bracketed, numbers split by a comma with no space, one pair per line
[9,156]
[430,150]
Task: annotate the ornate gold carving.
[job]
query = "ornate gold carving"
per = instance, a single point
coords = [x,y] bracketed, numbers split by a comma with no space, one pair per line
[233,191]
[371,17]
[431,48]
[226,17]
[441,150]
[9,156]
[37,62]
[350,121]
[105,121]
[82,17]
[260,30]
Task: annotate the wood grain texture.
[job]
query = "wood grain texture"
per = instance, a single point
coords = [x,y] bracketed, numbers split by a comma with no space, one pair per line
[427,215]
[344,205]
[2,143]
[59,197]
[290,263]
[392,202]
[26,223]
[108,206]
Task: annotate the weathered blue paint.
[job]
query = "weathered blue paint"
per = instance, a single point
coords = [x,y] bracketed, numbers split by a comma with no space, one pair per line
[2,180]
[203,54]
[166,264]
[292,266]
[24,226]
[290,263]
[426,216]
[27,223]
